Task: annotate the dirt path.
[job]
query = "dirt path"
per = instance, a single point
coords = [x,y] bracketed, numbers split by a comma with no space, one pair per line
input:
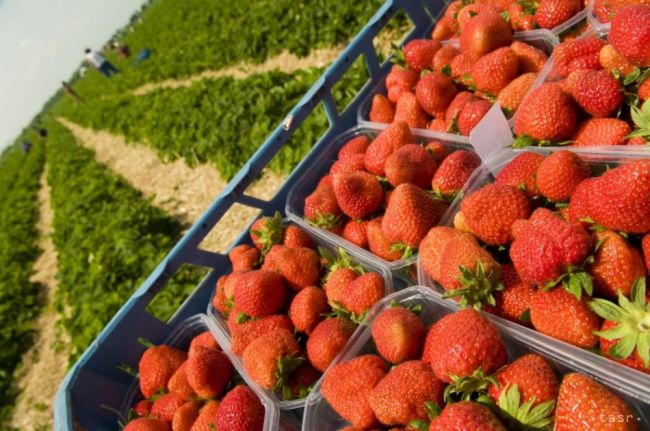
[183,192]
[44,364]
[285,62]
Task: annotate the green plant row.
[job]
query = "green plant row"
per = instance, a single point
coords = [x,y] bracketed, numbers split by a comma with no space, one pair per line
[19,297]
[108,239]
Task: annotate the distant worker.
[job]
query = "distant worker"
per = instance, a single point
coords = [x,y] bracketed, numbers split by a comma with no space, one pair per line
[25,147]
[100,63]
[122,50]
[67,89]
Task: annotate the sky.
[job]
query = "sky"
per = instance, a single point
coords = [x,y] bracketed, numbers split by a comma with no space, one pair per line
[41,44]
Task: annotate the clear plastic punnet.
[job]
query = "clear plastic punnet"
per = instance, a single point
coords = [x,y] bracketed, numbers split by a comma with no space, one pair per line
[320,416]
[219,325]
[180,338]
[306,184]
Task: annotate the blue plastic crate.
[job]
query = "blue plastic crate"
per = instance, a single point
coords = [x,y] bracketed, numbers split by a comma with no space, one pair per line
[93,390]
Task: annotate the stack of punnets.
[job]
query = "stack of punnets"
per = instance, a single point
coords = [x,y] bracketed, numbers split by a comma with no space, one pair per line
[300,323]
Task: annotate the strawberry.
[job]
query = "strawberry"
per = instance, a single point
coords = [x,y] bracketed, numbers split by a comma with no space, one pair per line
[602,131]
[443,29]
[307,307]
[270,358]
[185,416]
[219,300]
[419,53]
[362,293]
[207,417]
[484,33]
[625,330]
[612,61]
[645,246]
[630,34]
[616,265]
[205,339]
[390,139]
[357,145]
[527,391]
[520,19]
[552,13]
[585,405]
[472,114]
[546,114]
[244,333]
[409,215]
[165,406]
[299,267]
[454,171]
[466,415]
[514,93]
[437,150]
[157,365]
[451,14]
[443,58]
[598,93]
[356,232]
[347,385]
[568,51]
[491,210]
[321,206]
[379,243]
[549,311]
[513,302]
[336,282]
[302,380]
[410,164]
[521,172]
[352,163]
[358,193]
[438,125]
[208,372]
[327,340]
[142,408]
[266,232]
[244,257]
[240,410]
[432,247]
[398,335]
[456,106]
[408,110]
[461,343]
[260,293]
[178,383]
[605,9]
[400,80]
[434,92]
[296,237]
[644,90]
[531,59]
[146,424]
[471,10]
[402,395]
[382,110]
[495,70]
[461,69]
[584,63]
[559,174]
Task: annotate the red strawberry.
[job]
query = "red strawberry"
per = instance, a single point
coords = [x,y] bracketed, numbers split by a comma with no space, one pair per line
[491,210]
[351,163]
[531,59]
[178,383]
[263,356]
[611,61]
[483,33]
[456,106]
[454,171]
[443,29]
[327,340]
[358,193]
[295,237]
[602,131]
[337,282]
[521,172]
[585,63]
[598,93]
[468,415]
[560,173]
[382,110]
[645,246]
[243,334]
[205,339]
[244,257]
[299,267]
[583,403]
[472,114]
[410,164]
[398,335]
[616,265]
[515,92]
[461,69]
[546,113]
[400,80]
[208,372]
[520,20]
[549,311]
[307,307]
[495,70]
[461,343]
[451,14]
[302,380]
[207,417]
[356,232]
[409,215]
[437,125]
[260,293]
[219,300]
[165,406]
[432,247]
[379,244]
[347,385]
[157,365]
[146,424]
[513,302]
[419,53]
[443,58]
[471,10]
[390,139]
[357,145]
[185,416]
[142,408]
[321,206]
[434,92]
[408,110]
[266,232]
[362,293]
[437,150]
[630,34]
[402,395]
[568,51]
[240,410]
[552,13]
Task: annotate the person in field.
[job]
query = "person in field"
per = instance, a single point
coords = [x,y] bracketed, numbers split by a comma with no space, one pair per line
[99,62]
